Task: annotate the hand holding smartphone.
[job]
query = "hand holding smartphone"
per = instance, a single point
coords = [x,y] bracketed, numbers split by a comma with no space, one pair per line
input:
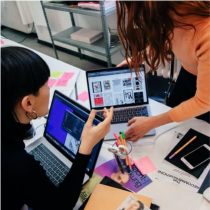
[197,156]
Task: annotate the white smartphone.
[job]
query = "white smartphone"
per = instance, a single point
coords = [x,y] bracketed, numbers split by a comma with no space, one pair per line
[196,157]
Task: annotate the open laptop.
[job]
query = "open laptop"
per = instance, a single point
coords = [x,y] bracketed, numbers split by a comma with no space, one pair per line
[122,89]
[57,149]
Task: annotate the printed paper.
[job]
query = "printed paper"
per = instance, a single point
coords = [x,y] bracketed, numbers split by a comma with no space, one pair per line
[135,182]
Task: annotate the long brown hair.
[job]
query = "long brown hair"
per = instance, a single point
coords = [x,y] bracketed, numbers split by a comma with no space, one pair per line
[146,28]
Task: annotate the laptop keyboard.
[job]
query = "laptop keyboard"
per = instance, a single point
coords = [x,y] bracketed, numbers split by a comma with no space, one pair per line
[55,169]
[124,115]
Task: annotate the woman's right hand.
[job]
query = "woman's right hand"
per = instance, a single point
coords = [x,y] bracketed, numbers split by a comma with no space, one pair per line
[91,134]
[124,63]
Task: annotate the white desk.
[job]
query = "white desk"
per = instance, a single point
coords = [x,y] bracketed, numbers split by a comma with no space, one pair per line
[167,196]
[54,65]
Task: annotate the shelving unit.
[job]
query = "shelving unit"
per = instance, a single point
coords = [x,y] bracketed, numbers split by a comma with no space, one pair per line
[100,47]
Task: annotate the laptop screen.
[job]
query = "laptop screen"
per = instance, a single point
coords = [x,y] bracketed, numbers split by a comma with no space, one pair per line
[64,127]
[116,87]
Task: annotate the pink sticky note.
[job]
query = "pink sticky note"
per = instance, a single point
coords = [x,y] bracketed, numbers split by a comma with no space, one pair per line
[67,75]
[51,82]
[145,165]
[2,42]
[64,79]
[83,96]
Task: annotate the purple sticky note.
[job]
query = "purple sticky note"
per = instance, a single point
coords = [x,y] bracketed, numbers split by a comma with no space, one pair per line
[83,96]
[51,82]
[136,180]
[145,165]
[64,79]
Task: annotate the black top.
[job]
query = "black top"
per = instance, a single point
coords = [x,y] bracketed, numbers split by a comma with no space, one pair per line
[24,180]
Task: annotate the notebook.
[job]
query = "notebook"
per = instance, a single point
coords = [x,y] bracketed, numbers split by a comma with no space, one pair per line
[122,89]
[57,149]
[106,197]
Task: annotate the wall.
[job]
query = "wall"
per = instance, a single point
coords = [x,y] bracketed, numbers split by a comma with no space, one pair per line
[16,15]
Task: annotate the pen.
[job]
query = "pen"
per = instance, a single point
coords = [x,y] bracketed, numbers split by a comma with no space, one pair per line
[128,163]
[117,139]
[119,164]
[182,147]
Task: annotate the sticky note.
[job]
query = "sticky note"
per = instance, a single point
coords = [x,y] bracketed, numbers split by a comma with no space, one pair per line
[64,79]
[56,74]
[51,82]
[2,42]
[83,96]
[145,165]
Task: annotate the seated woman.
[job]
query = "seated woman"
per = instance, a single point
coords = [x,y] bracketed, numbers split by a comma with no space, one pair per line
[25,96]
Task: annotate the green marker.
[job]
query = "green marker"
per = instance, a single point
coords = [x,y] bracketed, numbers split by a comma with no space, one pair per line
[123,135]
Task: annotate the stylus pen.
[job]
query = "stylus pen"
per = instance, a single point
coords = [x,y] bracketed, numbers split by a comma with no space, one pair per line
[182,147]
[119,164]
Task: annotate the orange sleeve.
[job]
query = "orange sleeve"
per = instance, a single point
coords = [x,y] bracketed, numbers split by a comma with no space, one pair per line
[200,103]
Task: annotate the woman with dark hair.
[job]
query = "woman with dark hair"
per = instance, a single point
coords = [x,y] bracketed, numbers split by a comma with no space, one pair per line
[151,32]
[25,96]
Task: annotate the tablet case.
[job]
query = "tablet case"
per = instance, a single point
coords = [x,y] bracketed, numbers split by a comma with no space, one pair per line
[176,160]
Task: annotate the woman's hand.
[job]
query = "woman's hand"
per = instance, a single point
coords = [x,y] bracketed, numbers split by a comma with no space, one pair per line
[124,63]
[91,135]
[138,127]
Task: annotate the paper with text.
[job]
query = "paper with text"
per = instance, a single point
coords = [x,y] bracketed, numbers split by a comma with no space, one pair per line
[136,180]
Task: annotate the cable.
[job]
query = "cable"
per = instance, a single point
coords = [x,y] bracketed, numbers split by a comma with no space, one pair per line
[165,132]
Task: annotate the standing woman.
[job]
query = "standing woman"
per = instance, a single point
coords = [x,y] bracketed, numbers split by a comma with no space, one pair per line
[151,31]
[25,96]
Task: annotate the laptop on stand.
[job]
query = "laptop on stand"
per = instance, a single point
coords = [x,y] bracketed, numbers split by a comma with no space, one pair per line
[57,149]
[122,89]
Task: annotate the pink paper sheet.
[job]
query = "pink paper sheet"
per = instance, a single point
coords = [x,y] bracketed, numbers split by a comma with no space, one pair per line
[83,96]
[51,82]
[64,79]
[2,42]
[145,165]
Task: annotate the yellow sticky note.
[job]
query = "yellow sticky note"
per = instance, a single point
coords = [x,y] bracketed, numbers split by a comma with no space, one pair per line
[56,74]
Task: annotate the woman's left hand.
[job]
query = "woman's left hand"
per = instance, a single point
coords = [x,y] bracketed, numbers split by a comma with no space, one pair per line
[91,134]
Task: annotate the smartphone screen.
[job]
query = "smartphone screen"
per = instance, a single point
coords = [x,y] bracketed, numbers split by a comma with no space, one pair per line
[197,156]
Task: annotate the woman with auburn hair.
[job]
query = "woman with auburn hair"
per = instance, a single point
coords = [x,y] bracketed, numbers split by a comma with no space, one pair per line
[151,32]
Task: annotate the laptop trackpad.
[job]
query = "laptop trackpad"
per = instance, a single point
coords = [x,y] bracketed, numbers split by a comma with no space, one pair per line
[116,128]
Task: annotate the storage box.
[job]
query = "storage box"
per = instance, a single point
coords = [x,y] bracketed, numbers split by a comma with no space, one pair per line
[87,35]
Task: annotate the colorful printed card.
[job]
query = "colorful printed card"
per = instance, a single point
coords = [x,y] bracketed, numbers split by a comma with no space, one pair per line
[134,181]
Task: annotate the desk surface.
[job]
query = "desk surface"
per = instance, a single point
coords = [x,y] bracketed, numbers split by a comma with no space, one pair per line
[167,195]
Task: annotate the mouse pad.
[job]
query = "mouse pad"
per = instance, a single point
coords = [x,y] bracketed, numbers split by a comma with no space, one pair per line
[176,160]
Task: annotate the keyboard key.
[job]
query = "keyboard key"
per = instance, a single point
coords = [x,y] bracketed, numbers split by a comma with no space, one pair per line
[124,115]
[55,169]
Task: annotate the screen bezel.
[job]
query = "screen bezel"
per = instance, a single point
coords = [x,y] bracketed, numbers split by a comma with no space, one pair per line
[141,67]
[60,147]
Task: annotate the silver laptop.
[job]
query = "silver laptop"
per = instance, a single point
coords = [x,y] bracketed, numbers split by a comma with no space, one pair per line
[57,149]
[122,89]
